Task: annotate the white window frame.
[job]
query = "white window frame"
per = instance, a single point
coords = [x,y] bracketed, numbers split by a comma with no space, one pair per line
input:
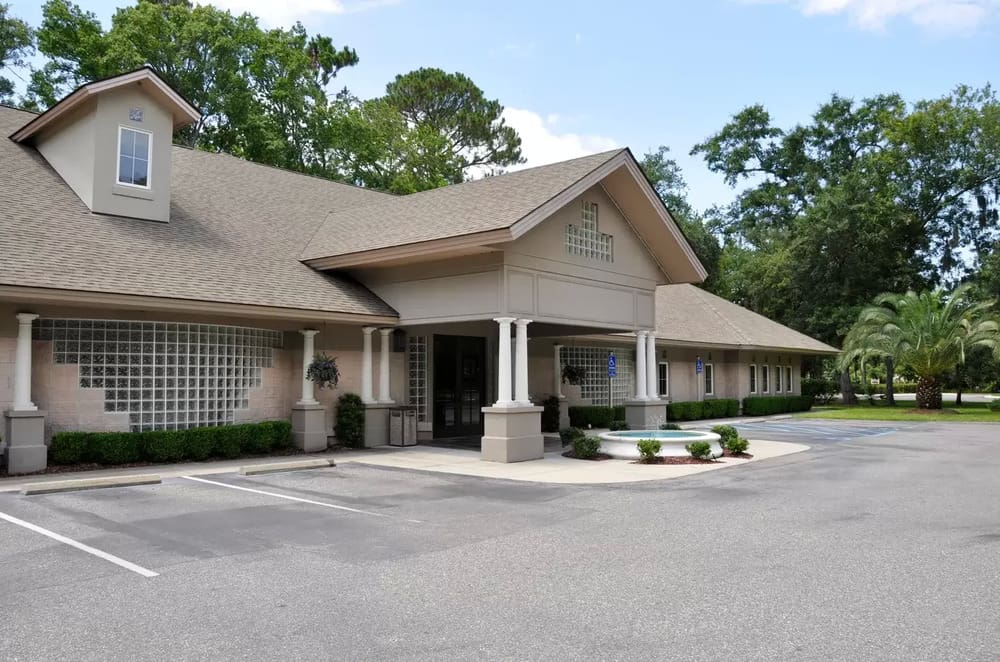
[149,158]
[663,380]
[778,379]
[765,379]
[709,383]
[753,378]
[788,379]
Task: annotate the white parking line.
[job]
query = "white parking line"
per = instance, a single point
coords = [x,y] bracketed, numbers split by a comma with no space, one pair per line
[79,545]
[292,498]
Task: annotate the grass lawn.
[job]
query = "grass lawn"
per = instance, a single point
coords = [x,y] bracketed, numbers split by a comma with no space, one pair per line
[974,412]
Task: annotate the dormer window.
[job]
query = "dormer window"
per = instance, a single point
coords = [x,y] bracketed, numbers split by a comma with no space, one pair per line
[134,151]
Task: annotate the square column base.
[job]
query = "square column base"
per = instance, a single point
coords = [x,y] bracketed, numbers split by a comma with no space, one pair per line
[309,427]
[24,433]
[645,414]
[512,434]
[377,424]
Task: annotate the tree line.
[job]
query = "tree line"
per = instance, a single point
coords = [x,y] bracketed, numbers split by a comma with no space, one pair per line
[867,197]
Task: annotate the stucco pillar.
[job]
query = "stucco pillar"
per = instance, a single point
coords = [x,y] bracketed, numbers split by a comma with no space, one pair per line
[384,396]
[503,363]
[366,366]
[652,376]
[24,425]
[640,366]
[557,370]
[521,388]
[22,364]
[308,352]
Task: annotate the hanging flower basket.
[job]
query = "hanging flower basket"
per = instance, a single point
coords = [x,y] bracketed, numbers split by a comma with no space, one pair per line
[323,371]
[573,375]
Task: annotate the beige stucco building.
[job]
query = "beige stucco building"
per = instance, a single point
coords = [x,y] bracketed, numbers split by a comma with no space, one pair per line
[148,286]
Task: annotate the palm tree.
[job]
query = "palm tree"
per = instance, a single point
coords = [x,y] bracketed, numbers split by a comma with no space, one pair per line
[929,333]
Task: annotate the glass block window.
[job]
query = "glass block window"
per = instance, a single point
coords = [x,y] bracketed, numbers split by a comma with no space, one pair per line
[417,357]
[594,360]
[586,240]
[164,375]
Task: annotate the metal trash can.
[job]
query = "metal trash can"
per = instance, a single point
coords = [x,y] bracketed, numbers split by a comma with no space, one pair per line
[403,426]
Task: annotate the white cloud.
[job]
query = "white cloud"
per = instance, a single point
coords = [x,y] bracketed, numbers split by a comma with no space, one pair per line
[542,143]
[933,15]
[287,12]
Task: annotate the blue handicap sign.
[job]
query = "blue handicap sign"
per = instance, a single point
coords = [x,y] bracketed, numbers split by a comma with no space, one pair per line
[612,365]
[698,365]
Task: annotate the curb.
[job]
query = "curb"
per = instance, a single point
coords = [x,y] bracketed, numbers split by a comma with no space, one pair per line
[275,467]
[88,484]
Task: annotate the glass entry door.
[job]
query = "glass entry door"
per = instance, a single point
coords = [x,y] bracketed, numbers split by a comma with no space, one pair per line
[459,386]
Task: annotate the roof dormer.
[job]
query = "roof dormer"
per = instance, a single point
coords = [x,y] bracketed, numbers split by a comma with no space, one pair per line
[110,142]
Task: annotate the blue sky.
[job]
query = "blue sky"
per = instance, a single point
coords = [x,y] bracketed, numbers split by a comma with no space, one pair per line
[579,77]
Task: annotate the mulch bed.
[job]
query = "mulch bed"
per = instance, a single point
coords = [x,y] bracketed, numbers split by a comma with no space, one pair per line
[597,458]
[742,456]
[676,459]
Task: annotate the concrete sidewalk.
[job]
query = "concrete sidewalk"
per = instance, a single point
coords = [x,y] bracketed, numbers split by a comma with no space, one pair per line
[553,468]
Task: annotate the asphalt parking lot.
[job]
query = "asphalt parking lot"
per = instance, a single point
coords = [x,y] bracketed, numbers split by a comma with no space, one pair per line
[809,431]
[877,547]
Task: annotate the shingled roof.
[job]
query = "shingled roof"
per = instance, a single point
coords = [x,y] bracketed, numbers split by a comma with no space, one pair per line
[235,234]
[491,203]
[689,314]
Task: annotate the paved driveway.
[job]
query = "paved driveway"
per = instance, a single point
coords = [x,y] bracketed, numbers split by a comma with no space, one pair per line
[875,548]
[812,432]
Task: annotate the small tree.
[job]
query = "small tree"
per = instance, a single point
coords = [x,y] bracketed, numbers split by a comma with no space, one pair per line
[929,333]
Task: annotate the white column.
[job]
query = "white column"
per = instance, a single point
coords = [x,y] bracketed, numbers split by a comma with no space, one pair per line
[383,368]
[557,369]
[640,366]
[366,366]
[503,363]
[308,352]
[652,376]
[22,364]
[521,371]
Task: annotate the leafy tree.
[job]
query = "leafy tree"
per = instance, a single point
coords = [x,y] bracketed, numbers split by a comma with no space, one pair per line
[930,333]
[16,43]
[255,88]
[666,177]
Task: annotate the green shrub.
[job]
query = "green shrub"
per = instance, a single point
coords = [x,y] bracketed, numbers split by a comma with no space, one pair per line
[570,435]
[594,416]
[684,411]
[550,414]
[68,447]
[350,427]
[615,426]
[699,449]
[726,433]
[648,448]
[737,446]
[162,446]
[586,447]
[669,426]
[165,446]
[821,390]
[995,405]
[765,406]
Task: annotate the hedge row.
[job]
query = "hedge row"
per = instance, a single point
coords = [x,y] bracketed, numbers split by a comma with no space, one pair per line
[695,410]
[595,416]
[164,446]
[763,406]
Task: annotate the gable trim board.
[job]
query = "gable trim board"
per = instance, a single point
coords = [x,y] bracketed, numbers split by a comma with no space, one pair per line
[183,112]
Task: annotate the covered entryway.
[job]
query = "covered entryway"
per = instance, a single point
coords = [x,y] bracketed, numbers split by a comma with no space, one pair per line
[459,384]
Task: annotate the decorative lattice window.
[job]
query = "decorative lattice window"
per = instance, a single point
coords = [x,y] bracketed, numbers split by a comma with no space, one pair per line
[164,375]
[417,353]
[594,360]
[586,239]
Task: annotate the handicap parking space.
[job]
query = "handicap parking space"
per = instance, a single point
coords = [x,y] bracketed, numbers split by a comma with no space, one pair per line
[812,431]
[352,514]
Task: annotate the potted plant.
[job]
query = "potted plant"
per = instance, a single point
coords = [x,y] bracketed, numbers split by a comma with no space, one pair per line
[573,375]
[323,371]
